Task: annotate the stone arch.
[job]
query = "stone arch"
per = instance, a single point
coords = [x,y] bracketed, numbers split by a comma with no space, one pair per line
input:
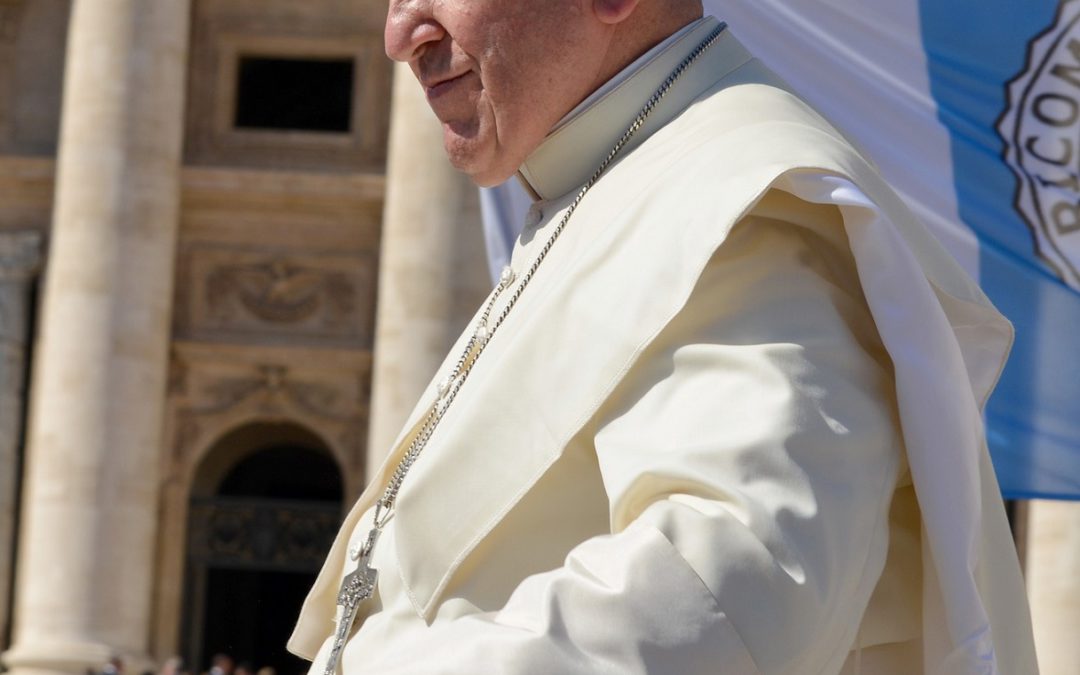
[264,504]
[250,437]
[223,402]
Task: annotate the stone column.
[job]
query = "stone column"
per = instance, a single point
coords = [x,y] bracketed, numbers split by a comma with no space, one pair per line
[432,267]
[1053,579]
[87,537]
[20,257]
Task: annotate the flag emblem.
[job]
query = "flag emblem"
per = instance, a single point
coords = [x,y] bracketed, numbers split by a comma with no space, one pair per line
[1041,130]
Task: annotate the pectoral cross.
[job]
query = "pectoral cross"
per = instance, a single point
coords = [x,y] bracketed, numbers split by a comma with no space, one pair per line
[357,586]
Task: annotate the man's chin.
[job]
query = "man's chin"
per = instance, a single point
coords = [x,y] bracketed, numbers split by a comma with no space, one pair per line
[487,178]
[483,166]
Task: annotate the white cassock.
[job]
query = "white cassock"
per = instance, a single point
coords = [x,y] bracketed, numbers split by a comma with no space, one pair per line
[732,425]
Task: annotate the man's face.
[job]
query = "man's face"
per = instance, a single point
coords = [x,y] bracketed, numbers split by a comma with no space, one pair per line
[498,73]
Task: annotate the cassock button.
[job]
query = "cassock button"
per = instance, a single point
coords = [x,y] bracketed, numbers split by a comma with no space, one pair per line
[507,277]
[443,387]
[534,216]
[482,333]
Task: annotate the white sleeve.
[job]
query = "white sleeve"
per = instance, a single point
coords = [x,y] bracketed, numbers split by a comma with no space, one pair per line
[749,457]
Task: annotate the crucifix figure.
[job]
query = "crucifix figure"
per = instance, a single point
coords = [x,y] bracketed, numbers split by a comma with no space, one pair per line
[357,586]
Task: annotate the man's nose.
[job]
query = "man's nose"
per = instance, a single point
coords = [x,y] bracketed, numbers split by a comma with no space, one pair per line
[410,27]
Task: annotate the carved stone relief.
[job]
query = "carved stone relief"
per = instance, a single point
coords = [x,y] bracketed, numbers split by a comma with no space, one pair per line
[277,291]
[254,295]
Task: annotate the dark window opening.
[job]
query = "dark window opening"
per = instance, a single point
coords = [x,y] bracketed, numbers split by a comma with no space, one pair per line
[294,94]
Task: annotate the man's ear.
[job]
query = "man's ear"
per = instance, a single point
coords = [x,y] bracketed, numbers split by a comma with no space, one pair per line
[614,11]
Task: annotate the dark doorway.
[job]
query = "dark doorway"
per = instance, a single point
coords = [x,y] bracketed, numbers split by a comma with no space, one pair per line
[250,614]
[263,513]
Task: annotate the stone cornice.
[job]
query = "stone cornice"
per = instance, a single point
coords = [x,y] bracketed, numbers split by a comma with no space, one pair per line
[253,190]
[218,186]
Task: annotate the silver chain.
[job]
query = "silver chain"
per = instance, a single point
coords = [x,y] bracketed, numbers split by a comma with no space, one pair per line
[449,387]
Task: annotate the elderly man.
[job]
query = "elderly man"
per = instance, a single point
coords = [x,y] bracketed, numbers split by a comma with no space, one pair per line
[720,415]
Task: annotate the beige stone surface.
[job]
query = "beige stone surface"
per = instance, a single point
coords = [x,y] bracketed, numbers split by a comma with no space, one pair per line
[433,271]
[1053,574]
[90,496]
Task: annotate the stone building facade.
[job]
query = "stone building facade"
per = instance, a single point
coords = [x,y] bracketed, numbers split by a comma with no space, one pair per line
[231,254]
[198,255]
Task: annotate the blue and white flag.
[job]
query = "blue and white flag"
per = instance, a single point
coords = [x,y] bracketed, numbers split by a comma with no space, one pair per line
[971,108]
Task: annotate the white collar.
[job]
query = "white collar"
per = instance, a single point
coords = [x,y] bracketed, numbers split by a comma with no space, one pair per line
[624,74]
[576,146]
